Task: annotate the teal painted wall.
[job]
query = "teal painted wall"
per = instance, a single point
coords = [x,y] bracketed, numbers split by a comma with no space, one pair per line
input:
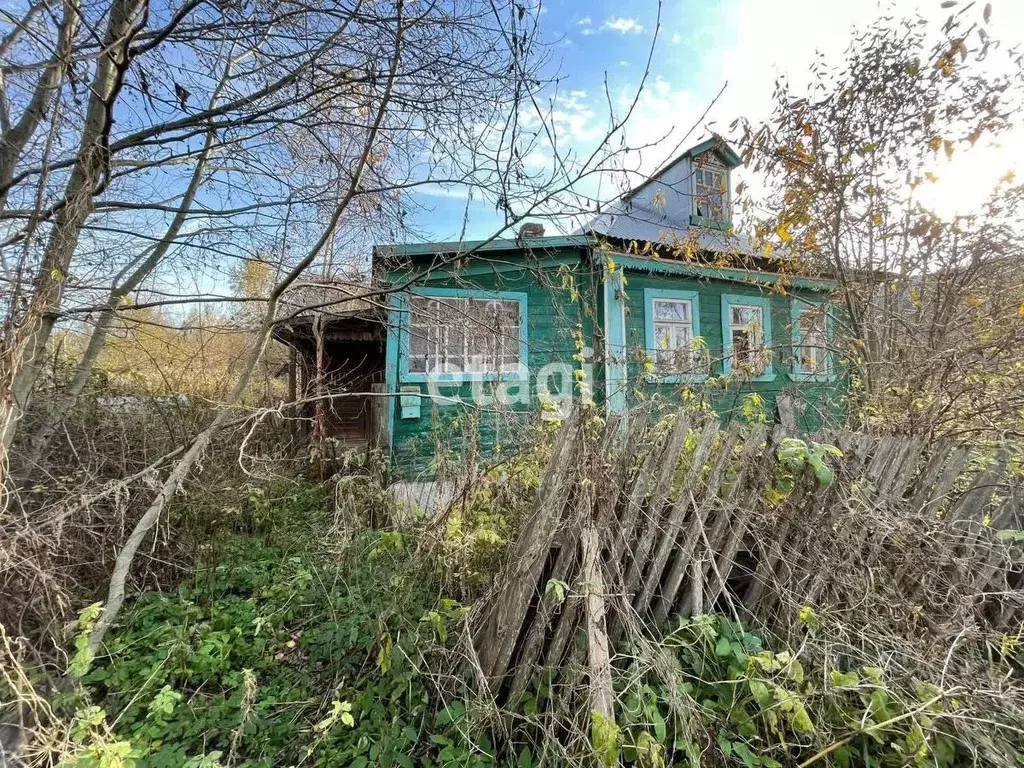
[822,403]
[447,435]
[564,293]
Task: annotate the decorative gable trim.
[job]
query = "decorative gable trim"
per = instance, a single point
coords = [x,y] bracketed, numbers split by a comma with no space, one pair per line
[720,147]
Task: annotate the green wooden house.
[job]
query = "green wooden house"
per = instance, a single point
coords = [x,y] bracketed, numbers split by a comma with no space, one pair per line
[656,300]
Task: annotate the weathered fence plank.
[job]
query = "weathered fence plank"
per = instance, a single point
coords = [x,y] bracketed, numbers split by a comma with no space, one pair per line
[499,632]
[599,663]
[648,528]
[683,549]
[674,520]
[637,525]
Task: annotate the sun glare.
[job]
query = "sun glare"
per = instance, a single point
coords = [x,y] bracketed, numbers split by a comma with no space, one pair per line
[964,183]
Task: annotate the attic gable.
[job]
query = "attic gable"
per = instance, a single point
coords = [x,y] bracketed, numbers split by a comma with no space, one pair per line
[719,150]
[668,205]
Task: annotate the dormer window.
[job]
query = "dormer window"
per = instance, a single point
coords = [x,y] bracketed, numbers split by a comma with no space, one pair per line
[710,192]
[693,190]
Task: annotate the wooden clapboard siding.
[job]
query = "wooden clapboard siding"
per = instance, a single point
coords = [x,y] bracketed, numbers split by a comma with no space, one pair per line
[565,294]
[823,401]
[553,314]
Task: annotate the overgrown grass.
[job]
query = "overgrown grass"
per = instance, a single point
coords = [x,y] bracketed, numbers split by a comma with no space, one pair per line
[285,653]
[293,643]
[729,696]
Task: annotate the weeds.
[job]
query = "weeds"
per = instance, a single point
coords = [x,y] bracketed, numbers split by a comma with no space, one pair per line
[303,638]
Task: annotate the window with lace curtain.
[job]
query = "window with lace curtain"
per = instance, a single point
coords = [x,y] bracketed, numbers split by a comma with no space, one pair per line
[460,335]
[675,347]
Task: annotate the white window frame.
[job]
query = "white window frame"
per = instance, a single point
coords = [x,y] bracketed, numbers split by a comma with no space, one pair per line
[764,332]
[699,368]
[825,369]
[702,164]
[506,348]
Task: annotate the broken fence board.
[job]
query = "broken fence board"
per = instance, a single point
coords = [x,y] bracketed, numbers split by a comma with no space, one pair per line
[651,527]
[674,520]
[602,693]
[500,631]
[679,565]
[632,546]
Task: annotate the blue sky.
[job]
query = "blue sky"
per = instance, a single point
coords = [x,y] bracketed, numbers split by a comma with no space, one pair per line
[704,46]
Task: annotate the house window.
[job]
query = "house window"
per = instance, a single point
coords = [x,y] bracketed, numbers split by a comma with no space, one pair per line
[711,191]
[464,335]
[746,334]
[810,350]
[673,333]
[746,326]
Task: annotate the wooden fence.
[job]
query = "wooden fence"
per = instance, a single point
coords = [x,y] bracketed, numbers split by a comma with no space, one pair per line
[644,521]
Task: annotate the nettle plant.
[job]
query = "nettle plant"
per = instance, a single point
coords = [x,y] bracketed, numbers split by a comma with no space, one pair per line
[280,654]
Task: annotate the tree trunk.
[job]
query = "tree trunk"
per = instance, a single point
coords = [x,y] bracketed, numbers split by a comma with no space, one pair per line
[25,338]
[59,411]
[122,565]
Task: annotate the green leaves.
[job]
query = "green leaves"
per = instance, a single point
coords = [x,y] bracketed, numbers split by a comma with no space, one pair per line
[766,709]
[604,739]
[807,617]
[793,709]
[796,457]
[83,657]
[753,409]
[384,654]
[164,702]
[341,711]
[310,628]
[556,589]
[843,679]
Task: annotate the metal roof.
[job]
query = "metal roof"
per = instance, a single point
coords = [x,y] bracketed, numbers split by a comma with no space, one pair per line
[651,226]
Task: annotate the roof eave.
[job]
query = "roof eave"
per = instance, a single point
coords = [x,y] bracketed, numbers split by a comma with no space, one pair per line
[467,247]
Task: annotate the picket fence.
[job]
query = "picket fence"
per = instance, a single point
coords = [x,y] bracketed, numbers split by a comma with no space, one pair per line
[643,520]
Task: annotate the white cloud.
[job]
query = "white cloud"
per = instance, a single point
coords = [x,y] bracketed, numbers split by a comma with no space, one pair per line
[537,160]
[584,22]
[445,191]
[574,119]
[665,121]
[623,25]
